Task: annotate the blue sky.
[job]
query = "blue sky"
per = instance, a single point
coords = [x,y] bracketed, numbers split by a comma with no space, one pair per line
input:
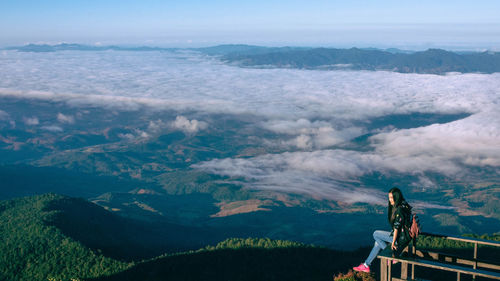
[266,22]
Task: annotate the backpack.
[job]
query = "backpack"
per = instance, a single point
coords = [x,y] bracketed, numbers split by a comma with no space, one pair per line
[412,223]
[414,228]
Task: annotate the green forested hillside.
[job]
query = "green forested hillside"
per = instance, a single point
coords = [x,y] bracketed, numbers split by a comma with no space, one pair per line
[30,249]
[120,237]
[246,259]
[54,237]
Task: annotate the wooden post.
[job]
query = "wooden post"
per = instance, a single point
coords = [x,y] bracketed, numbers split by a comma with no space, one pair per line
[383,269]
[389,270]
[458,276]
[414,252]
[412,271]
[475,251]
[404,270]
[475,260]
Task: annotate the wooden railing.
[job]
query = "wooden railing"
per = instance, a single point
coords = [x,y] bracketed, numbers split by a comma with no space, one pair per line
[441,261]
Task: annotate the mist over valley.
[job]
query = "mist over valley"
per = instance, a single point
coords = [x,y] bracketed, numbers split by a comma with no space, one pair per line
[179,137]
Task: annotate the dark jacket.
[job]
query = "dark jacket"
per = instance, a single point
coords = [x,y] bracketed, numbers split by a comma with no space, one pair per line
[400,219]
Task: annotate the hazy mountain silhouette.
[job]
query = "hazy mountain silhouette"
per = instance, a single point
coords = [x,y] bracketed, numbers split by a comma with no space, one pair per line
[431,61]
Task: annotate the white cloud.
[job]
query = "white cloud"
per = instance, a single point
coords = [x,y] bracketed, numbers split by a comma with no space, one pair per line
[4,115]
[426,205]
[309,173]
[303,141]
[424,183]
[337,164]
[188,126]
[309,110]
[157,126]
[187,81]
[472,141]
[317,134]
[326,173]
[127,136]
[300,126]
[68,119]
[52,128]
[32,121]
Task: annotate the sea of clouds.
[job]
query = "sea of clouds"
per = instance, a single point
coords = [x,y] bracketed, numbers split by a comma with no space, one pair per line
[312,110]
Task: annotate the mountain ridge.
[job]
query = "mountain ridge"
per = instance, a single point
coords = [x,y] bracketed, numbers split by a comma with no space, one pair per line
[430,61]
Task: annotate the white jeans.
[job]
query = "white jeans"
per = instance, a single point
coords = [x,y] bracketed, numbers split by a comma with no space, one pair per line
[382,238]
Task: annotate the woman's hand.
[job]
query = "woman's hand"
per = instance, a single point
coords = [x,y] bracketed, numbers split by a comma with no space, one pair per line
[393,246]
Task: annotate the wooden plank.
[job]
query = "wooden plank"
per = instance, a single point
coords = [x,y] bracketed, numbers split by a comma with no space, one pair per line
[435,256]
[465,239]
[465,262]
[488,265]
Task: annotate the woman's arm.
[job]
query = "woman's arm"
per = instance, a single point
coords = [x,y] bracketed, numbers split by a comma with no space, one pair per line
[394,239]
[397,225]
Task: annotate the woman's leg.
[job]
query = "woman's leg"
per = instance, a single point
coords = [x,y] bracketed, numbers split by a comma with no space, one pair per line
[382,238]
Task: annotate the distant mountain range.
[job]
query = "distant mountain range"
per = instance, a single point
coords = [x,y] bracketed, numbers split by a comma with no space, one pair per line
[44,48]
[432,61]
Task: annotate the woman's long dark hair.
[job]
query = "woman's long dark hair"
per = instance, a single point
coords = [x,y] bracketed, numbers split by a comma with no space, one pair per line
[398,199]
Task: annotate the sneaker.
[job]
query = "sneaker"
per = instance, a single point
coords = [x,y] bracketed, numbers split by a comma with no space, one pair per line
[362,268]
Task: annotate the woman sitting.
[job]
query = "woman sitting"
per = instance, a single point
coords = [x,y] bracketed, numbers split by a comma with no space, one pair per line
[398,210]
